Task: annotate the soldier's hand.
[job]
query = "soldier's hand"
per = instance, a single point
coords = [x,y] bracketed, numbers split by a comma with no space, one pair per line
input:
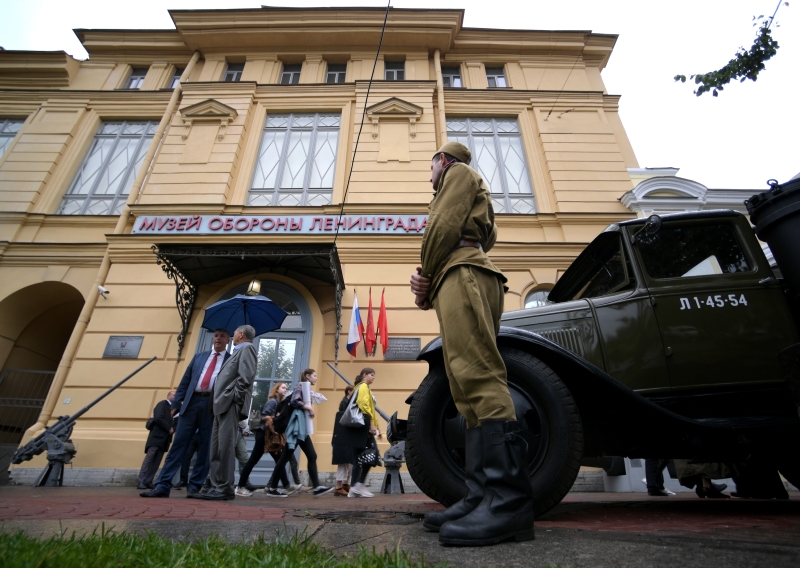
[419,284]
[423,303]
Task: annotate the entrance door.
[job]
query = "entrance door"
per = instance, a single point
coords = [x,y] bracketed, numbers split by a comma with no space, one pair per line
[282,354]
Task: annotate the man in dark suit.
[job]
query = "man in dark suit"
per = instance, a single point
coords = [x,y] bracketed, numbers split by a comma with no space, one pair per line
[233,391]
[192,399]
[157,441]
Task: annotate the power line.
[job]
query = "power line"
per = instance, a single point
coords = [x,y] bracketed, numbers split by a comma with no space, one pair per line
[363,115]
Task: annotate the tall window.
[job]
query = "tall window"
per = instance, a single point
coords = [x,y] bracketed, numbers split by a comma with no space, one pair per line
[105,176]
[395,71]
[498,155]
[296,161]
[8,129]
[496,77]
[176,77]
[233,73]
[451,76]
[291,74]
[136,78]
[336,73]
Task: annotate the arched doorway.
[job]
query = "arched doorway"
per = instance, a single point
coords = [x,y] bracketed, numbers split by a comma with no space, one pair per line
[282,354]
[35,326]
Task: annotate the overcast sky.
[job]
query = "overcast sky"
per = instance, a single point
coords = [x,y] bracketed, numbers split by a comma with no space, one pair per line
[740,139]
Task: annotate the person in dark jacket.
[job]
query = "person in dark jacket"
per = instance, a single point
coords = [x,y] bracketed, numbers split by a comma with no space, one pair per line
[158,441]
[343,456]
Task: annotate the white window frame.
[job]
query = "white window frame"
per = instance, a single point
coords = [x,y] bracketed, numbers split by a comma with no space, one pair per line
[538,298]
[233,73]
[8,131]
[136,78]
[503,200]
[498,75]
[277,190]
[117,199]
[394,70]
[453,76]
[291,73]
[337,71]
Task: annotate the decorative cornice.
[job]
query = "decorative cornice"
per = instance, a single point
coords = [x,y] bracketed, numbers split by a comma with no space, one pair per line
[394,107]
[44,69]
[207,111]
[131,46]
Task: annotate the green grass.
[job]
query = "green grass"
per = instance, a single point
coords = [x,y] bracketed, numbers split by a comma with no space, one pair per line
[107,549]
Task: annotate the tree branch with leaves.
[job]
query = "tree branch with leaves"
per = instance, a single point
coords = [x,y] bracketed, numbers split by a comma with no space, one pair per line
[747,64]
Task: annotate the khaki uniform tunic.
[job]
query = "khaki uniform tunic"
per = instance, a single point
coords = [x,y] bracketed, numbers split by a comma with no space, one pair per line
[467,292]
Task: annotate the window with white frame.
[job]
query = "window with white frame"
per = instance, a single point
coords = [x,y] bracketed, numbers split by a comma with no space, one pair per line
[451,77]
[498,155]
[296,161]
[336,73]
[233,72]
[8,130]
[105,176]
[395,71]
[537,299]
[496,77]
[136,78]
[291,74]
[176,77]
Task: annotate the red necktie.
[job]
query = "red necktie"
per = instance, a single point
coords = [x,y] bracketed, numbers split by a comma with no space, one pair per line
[209,372]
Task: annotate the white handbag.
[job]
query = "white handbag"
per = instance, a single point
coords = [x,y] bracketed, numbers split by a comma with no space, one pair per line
[352,417]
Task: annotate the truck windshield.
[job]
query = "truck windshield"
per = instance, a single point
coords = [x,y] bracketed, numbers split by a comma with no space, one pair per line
[675,252]
[607,273]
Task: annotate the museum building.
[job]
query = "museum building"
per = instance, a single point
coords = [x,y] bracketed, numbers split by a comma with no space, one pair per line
[175,167]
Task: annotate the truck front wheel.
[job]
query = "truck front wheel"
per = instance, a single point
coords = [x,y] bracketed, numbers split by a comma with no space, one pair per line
[548,416]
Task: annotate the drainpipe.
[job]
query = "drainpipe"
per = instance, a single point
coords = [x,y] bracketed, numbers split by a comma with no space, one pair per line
[88,308]
[437,63]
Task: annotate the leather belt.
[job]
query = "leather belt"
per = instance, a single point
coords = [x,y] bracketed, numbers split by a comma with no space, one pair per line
[202,393]
[467,243]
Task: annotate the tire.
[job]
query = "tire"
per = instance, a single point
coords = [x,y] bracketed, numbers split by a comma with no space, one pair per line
[547,414]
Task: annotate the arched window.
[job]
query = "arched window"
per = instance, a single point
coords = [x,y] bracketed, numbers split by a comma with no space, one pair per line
[537,299]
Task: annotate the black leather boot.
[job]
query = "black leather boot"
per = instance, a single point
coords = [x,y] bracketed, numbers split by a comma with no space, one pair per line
[506,510]
[475,481]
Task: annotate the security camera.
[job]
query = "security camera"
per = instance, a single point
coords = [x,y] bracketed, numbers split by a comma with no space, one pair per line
[103,291]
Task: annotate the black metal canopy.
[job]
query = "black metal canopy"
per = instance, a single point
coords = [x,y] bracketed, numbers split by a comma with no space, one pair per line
[191,266]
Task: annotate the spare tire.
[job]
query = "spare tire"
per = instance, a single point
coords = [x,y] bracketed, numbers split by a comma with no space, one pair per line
[548,417]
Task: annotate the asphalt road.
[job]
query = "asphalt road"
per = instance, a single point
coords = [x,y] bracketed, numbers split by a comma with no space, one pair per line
[589,529]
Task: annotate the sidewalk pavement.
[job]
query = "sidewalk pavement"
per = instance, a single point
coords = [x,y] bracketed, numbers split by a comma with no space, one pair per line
[586,529]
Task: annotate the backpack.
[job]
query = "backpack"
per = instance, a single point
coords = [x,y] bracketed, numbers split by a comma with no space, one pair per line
[282,415]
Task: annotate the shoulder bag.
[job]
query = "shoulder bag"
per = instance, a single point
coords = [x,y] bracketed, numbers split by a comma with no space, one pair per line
[352,417]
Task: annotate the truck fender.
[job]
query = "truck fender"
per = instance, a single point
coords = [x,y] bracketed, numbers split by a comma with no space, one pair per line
[607,407]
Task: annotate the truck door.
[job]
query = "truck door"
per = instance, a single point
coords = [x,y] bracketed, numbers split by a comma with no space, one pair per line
[719,325]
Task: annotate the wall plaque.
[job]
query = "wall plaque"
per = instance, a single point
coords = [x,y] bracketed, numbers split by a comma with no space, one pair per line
[123,347]
[402,349]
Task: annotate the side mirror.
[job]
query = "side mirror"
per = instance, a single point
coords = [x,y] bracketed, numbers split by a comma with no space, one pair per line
[651,227]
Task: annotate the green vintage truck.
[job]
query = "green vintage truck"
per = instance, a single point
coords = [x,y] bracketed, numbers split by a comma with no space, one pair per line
[669,337]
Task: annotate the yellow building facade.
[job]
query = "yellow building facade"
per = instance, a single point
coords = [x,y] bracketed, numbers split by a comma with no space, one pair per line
[172,167]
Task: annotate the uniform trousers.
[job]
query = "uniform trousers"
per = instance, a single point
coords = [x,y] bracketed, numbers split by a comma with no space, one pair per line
[469,303]
[152,460]
[223,451]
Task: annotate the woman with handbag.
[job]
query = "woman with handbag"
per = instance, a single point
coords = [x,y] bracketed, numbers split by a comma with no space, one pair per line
[343,455]
[368,457]
[277,394]
[296,434]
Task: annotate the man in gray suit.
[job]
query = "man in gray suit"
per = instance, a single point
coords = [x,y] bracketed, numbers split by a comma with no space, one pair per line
[230,402]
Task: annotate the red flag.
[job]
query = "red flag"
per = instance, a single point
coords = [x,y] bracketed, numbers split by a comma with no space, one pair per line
[369,340]
[383,325]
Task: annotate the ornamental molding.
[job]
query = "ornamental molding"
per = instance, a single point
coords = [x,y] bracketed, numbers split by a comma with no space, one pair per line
[394,108]
[207,111]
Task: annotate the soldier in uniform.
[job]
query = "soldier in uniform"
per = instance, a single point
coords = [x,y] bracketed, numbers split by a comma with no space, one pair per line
[466,289]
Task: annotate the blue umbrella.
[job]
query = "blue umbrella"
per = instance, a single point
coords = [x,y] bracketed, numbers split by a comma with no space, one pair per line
[259,311]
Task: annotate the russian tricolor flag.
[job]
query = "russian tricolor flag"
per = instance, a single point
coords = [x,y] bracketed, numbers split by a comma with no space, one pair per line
[356,332]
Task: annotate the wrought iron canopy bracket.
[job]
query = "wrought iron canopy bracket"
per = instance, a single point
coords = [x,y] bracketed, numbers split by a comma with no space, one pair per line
[185,294]
[336,270]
